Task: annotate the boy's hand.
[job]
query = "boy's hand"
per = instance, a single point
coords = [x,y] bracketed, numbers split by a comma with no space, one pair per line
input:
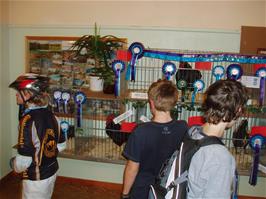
[125,196]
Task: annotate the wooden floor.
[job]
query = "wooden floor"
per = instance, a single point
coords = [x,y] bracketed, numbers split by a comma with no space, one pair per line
[70,188]
[65,188]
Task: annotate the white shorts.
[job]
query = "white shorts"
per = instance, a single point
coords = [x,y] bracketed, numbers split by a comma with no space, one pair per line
[39,189]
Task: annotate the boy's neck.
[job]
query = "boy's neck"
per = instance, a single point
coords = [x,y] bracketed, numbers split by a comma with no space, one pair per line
[214,129]
[162,117]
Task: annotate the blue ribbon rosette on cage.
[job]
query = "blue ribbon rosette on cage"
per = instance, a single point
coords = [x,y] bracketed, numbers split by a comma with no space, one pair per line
[261,72]
[57,97]
[64,127]
[218,72]
[65,97]
[168,69]
[137,51]
[198,86]
[256,142]
[79,98]
[234,71]
[118,67]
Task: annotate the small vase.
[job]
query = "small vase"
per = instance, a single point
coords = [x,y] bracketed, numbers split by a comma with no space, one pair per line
[96,84]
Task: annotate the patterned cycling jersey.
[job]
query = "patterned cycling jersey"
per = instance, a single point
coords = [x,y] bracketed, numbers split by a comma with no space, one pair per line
[39,133]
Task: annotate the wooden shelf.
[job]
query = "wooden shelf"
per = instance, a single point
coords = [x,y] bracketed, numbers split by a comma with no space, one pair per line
[87,116]
[100,95]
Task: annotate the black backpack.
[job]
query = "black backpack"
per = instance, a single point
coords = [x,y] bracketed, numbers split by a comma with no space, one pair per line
[174,172]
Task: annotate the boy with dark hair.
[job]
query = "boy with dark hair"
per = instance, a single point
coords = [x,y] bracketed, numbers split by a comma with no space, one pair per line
[39,139]
[212,167]
[153,142]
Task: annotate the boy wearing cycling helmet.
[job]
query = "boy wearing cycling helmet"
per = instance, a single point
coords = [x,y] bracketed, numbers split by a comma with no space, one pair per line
[39,139]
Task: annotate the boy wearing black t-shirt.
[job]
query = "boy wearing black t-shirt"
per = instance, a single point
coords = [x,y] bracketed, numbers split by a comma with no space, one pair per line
[153,142]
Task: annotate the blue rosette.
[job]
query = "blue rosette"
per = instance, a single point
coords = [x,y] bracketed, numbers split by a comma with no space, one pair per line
[168,69]
[261,72]
[256,142]
[64,127]
[218,72]
[198,86]
[137,51]
[234,71]
[65,97]
[57,97]
[79,98]
[118,67]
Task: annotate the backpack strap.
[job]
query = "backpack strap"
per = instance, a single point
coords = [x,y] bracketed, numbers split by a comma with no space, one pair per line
[208,140]
[182,178]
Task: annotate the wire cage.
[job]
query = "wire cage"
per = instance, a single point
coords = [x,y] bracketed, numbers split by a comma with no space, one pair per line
[100,139]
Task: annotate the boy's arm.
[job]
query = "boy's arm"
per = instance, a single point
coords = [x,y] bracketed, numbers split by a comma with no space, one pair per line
[23,159]
[130,174]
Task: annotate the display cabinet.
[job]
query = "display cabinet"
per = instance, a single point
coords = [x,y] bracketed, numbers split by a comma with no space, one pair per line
[91,136]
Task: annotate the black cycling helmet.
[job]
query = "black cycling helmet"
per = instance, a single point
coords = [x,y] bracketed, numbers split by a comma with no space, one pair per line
[32,82]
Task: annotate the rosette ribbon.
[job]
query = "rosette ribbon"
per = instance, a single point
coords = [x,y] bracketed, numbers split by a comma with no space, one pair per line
[137,51]
[261,72]
[256,142]
[182,85]
[118,67]
[57,97]
[65,97]
[79,98]
[64,127]
[198,86]
[218,72]
[234,71]
[168,69]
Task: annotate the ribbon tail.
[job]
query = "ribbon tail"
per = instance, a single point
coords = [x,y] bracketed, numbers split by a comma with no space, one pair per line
[79,115]
[117,83]
[255,165]
[262,91]
[58,105]
[128,72]
[65,106]
[168,76]
[133,68]
[193,98]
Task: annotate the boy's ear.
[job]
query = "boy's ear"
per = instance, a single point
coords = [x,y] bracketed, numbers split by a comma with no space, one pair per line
[151,104]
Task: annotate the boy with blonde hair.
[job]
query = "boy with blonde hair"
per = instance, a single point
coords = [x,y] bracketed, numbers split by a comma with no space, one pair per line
[153,142]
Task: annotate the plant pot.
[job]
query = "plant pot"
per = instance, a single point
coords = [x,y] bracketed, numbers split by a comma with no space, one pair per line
[108,88]
[96,84]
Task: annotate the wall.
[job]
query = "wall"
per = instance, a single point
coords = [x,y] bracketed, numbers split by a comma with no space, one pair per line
[224,15]
[171,25]
[1,65]
[5,138]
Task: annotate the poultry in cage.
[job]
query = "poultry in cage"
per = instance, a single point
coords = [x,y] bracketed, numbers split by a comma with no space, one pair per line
[118,133]
[185,77]
[240,135]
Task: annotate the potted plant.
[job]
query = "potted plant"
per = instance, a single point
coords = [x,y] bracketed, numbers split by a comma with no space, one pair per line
[101,49]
